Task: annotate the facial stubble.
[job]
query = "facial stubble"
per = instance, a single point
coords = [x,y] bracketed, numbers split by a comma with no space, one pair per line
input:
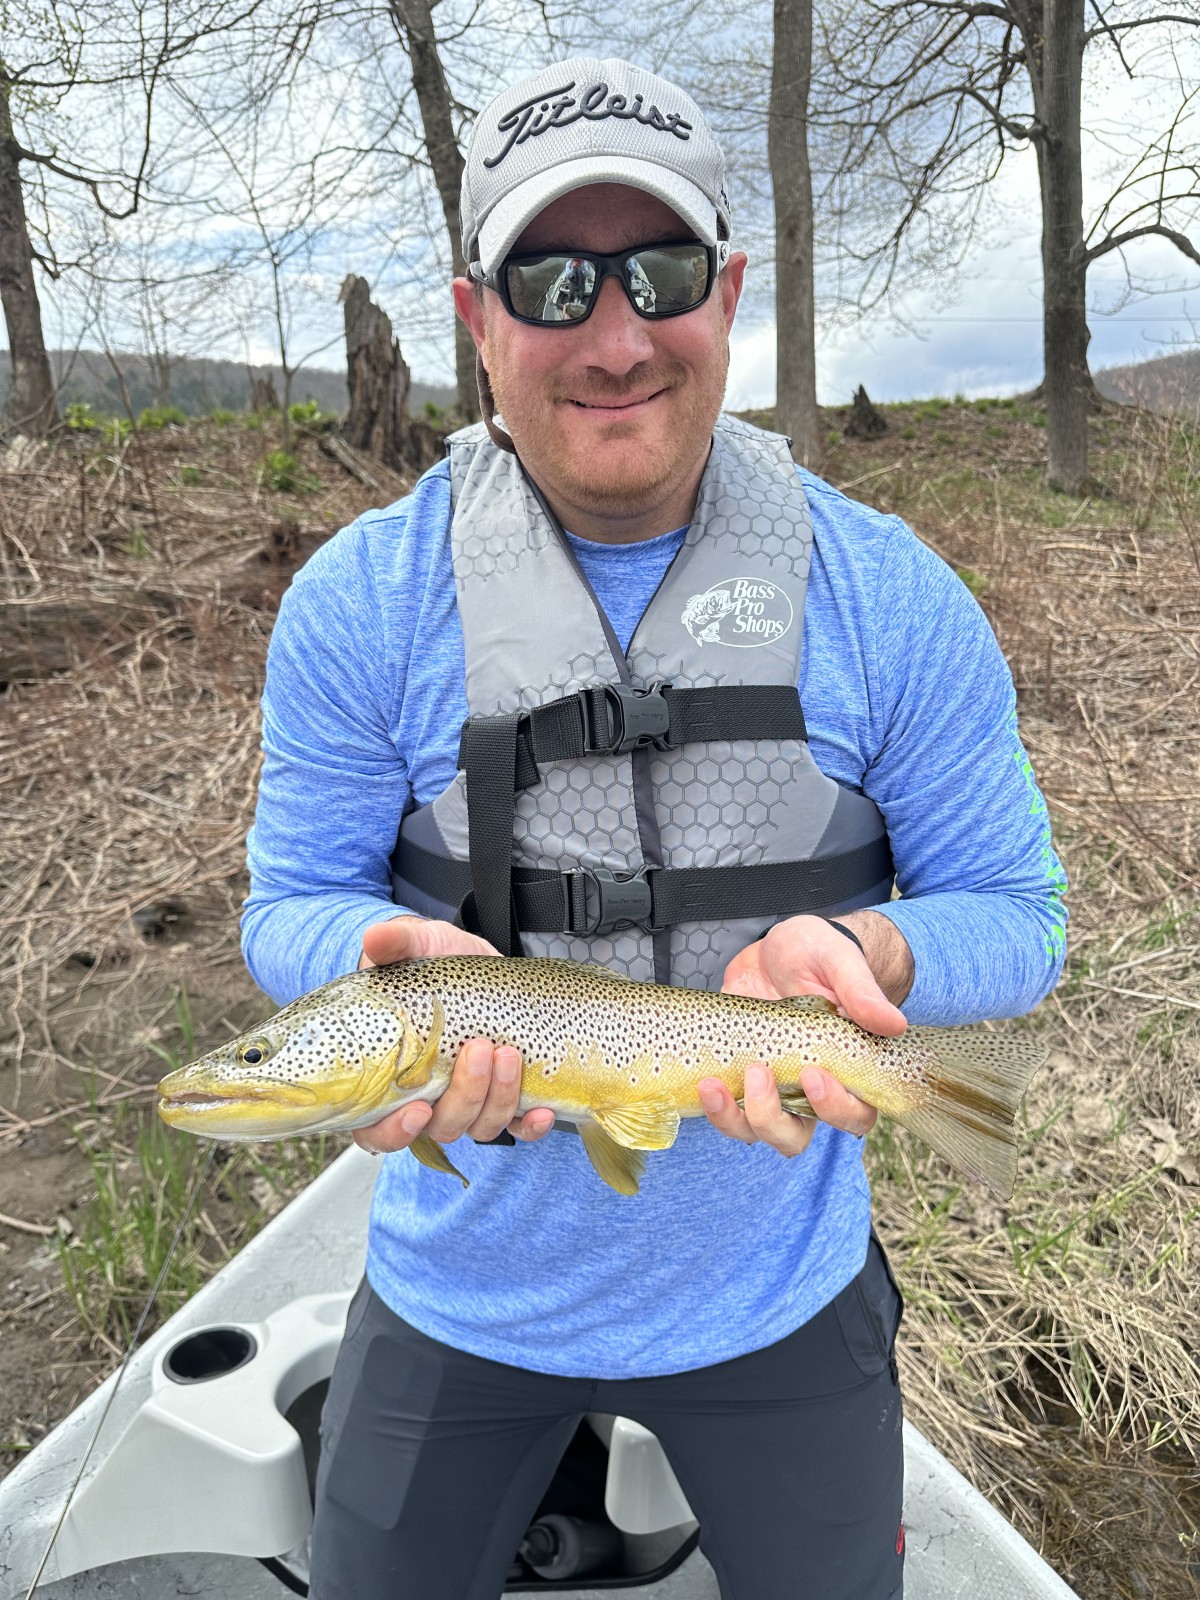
[617,482]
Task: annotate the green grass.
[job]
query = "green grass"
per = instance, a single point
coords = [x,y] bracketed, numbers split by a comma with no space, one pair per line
[162,417]
[283,473]
[143,1174]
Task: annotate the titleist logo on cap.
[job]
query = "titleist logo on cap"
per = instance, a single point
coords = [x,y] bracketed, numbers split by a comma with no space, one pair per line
[560,108]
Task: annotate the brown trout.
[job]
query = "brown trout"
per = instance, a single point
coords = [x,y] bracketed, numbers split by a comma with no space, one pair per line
[619,1059]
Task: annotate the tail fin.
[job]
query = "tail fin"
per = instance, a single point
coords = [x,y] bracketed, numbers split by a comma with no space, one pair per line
[979,1080]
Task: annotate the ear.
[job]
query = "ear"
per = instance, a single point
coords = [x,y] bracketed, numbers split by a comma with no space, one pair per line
[730,285]
[468,303]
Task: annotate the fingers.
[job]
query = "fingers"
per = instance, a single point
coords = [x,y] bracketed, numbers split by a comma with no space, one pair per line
[533,1125]
[464,1107]
[763,1120]
[860,998]
[805,955]
[396,1131]
[835,1104]
[481,1100]
[407,937]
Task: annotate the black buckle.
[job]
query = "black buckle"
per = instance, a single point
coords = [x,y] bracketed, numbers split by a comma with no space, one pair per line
[637,718]
[623,900]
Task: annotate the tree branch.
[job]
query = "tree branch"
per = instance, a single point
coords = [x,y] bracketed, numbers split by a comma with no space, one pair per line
[1115,241]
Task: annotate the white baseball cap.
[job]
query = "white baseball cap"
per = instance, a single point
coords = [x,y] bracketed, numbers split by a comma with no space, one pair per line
[587,121]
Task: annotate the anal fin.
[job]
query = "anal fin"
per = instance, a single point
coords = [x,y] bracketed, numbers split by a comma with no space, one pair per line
[433,1155]
[640,1125]
[620,1168]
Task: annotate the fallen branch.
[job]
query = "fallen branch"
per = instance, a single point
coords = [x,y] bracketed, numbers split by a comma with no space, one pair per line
[42,1229]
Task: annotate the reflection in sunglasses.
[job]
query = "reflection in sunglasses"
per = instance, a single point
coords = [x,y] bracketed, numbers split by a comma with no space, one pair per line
[567,297]
[640,286]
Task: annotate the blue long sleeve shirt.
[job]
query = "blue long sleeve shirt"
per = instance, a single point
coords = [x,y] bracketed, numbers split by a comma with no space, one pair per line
[906,696]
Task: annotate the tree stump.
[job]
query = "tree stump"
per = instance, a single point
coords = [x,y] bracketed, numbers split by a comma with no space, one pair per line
[379,382]
[263,396]
[865,421]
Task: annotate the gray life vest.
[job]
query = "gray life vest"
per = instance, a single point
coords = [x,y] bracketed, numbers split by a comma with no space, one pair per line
[655,809]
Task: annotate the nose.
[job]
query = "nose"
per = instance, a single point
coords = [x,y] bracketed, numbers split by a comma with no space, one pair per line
[617,339]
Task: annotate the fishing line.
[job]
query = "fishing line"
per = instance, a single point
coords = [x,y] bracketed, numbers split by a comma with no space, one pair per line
[125,1360]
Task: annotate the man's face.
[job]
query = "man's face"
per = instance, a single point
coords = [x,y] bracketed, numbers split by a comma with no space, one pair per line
[611,415]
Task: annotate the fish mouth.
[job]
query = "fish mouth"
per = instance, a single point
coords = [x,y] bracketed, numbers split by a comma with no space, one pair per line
[184,1099]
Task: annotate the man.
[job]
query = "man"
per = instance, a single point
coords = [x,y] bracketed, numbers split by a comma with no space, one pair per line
[624,589]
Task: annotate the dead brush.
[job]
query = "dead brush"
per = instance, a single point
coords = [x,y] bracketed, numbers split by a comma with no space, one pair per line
[1052,1345]
[1072,1314]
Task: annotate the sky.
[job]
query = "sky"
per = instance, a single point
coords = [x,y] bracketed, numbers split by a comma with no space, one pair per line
[974,331]
[980,333]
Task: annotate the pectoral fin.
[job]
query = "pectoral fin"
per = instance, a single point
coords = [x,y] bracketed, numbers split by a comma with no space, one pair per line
[417,1058]
[433,1155]
[646,1125]
[621,1169]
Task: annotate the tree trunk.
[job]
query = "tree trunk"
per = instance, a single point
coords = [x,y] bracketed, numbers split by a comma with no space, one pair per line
[31,404]
[1065,337]
[415,21]
[791,179]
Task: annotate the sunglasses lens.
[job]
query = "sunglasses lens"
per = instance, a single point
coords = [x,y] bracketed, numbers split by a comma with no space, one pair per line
[551,289]
[661,279]
[667,278]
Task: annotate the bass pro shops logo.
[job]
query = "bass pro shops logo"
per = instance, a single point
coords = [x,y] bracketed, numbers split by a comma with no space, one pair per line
[741,612]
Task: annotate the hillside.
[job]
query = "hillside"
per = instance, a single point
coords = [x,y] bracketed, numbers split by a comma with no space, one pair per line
[197,386]
[1168,384]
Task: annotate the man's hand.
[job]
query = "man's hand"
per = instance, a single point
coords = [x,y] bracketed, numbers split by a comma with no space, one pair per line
[804,955]
[481,1097]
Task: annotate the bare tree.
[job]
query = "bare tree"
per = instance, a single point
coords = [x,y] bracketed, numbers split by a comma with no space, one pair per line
[76,79]
[413,21]
[31,407]
[791,180]
[936,92]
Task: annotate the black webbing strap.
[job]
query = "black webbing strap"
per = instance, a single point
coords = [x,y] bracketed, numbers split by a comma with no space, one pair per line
[594,901]
[610,719]
[490,747]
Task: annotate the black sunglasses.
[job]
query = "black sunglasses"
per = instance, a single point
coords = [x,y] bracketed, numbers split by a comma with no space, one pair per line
[560,286]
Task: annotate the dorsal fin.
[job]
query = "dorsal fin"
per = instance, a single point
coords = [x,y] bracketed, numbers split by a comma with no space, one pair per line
[809,1002]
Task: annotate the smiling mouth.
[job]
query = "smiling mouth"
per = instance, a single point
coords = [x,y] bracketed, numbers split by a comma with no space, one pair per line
[616,405]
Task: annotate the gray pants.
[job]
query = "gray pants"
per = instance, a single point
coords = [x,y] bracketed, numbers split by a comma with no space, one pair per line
[434,1462]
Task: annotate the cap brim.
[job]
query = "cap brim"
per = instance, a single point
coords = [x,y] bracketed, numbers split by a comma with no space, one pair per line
[509,218]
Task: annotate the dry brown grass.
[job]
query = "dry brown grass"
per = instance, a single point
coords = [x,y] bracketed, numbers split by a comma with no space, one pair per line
[1052,1345]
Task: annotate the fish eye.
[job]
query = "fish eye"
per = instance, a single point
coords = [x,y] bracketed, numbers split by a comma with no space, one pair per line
[255,1052]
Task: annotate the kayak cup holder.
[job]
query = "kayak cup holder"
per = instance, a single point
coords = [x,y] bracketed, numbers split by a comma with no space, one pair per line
[209,1353]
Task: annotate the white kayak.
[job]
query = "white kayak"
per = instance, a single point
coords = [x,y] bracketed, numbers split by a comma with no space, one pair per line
[200,1482]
